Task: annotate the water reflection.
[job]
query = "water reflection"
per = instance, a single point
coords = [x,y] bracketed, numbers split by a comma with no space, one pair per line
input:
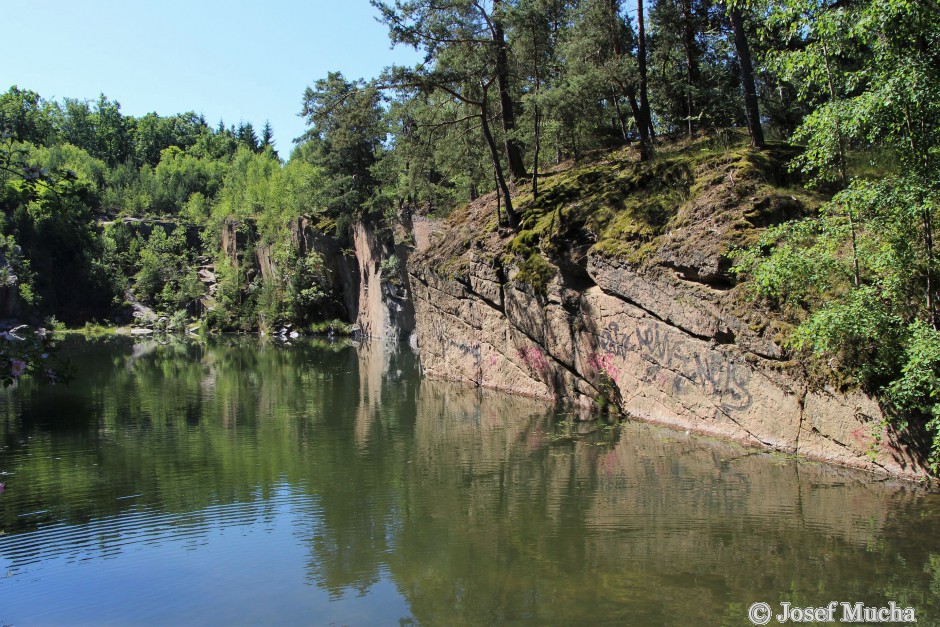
[326,482]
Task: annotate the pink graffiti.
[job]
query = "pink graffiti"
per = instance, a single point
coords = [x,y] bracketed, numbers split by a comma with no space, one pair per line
[863,438]
[534,358]
[604,363]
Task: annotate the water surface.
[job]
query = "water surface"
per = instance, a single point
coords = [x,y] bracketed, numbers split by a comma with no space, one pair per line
[235,482]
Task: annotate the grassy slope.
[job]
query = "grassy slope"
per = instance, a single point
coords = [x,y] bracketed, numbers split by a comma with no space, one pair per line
[685,209]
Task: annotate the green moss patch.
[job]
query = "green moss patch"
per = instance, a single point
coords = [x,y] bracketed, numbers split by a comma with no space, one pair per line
[536,272]
[693,200]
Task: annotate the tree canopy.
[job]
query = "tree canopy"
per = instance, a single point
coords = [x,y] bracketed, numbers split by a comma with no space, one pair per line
[506,90]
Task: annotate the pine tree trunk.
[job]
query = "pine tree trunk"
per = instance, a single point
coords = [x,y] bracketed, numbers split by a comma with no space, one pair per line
[641,127]
[747,79]
[690,60]
[499,196]
[511,217]
[513,150]
[537,123]
[621,119]
[535,158]
[645,114]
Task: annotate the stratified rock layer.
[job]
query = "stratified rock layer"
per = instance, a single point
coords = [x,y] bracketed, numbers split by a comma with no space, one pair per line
[661,339]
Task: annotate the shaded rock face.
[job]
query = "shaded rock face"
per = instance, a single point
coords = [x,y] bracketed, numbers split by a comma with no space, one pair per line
[385,307]
[367,284]
[341,267]
[10,305]
[236,238]
[650,343]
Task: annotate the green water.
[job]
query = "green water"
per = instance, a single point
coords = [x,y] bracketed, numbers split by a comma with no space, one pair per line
[240,483]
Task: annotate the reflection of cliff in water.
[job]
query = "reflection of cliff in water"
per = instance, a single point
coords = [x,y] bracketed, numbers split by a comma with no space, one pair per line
[356,473]
[641,517]
[477,506]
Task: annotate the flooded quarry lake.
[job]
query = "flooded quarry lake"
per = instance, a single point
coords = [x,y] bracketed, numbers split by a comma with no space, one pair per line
[239,482]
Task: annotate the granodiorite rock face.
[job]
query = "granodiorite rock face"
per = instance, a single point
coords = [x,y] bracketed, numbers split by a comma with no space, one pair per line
[662,353]
[617,288]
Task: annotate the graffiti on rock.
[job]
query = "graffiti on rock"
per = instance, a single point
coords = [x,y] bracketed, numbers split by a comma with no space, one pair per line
[535,359]
[605,364]
[444,335]
[672,358]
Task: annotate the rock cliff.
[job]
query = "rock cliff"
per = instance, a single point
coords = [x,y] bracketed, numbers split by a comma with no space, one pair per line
[364,274]
[628,303]
[385,309]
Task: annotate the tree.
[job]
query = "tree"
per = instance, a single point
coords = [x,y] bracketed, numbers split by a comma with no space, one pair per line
[154,133]
[602,63]
[645,114]
[536,26]
[113,132]
[26,116]
[247,136]
[506,103]
[345,136]
[747,78]
[689,48]
[680,33]
[871,70]
[466,55]
[179,175]
[77,124]
[166,275]
[267,137]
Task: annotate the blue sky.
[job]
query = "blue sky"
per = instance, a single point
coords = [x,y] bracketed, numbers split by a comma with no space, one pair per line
[230,59]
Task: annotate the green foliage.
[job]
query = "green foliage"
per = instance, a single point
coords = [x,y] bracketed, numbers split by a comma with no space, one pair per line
[861,277]
[49,235]
[297,290]
[24,351]
[869,332]
[25,115]
[60,262]
[252,188]
[345,138]
[794,264]
[306,288]
[390,270]
[154,134]
[237,298]
[594,54]
[87,169]
[166,276]
[331,327]
[915,391]
[14,269]
[178,176]
[692,83]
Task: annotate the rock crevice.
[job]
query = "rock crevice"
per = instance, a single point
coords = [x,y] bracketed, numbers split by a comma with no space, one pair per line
[656,347]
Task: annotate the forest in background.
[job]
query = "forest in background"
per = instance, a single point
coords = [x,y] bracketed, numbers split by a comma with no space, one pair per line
[508,90]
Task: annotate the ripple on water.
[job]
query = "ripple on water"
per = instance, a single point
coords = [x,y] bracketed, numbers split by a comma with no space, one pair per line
[226,483]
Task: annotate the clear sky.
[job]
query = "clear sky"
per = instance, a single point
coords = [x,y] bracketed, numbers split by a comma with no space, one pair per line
[237,60]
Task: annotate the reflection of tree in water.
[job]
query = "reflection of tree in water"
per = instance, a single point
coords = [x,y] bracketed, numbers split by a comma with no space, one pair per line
[496,534]
[480,507]
[357,473]
[148,421]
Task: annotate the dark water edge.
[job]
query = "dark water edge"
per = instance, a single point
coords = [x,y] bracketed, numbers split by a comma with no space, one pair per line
[238,482]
